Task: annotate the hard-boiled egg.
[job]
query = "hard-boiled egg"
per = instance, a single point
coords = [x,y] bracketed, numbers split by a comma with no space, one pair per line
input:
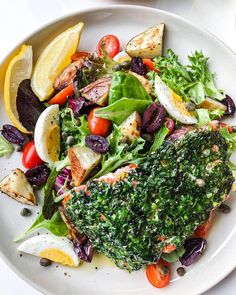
[47,134]
[57,249]
[121,57]
[173,103]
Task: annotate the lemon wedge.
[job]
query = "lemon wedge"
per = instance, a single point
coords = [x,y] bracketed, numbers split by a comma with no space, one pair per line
[54,58]
[19,68]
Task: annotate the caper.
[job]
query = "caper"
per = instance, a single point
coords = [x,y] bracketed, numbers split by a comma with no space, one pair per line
[190,106]
[224,208]
[70,140]
[25,212]
[45,262]
[117,67]
[180,271]
[64,134]
[125,65]
[234,128]
[19,148]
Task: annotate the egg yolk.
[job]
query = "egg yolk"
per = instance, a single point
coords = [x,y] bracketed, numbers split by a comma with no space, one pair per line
[53,142]
[178,103]
[58,256]
[124,58]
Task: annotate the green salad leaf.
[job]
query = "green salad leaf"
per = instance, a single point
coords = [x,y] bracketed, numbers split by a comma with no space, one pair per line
[205,116]
[230,139]
[126,85]
[55,225]
[6,147]
[121,109]
[159,138]
[192,82]
[120,154]
[174,255]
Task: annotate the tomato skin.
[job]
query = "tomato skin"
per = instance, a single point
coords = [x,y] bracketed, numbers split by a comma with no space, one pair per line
[30,157]
[169,248]
[155,275]
[170,124]
[61,97]
[111,44]
[150,64]
[202,230]
[98,126]
[79,54]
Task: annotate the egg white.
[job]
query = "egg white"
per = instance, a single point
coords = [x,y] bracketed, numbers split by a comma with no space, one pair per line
[121,56]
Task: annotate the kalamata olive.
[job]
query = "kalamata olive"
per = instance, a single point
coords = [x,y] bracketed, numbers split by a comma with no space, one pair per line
[125,65]
[193,248]
[117,67]
[84,251]
[229,103]
[137,66]
[38,175]
[153,117]
[45,262]
[12,134]
[25,212]
[70,140]
[97,143]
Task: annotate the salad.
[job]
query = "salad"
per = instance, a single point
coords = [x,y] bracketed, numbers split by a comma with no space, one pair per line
[127,147]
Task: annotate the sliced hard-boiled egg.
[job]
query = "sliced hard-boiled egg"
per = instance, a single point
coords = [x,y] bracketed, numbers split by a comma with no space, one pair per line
[173,103]
[57,249]
[47,134]
[121,57]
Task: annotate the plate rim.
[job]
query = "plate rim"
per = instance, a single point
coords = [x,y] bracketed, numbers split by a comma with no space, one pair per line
[98,9]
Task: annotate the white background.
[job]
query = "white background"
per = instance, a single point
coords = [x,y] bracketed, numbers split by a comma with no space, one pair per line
[18,18]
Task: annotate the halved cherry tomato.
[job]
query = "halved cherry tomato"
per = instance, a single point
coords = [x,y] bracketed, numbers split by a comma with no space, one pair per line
[170,124]
[61,97]
[203,230]
[158,274]
[30,157]
[98,126]
[150,64]
[111,45]
[169,248]
[79,54]
[230,129]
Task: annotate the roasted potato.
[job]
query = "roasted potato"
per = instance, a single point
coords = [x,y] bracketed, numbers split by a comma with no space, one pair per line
[147,44]
[16,186]
[130,128]
[212,104]
[82,161]
[97,92]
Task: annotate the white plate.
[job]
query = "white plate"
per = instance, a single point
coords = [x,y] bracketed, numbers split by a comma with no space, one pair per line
[219,258]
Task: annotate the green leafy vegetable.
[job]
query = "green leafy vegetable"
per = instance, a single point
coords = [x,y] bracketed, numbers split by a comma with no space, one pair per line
[159,138]
[174,255]
[126,85]
[6,147]
[120,154]
[230,139]
[194,81]
[55,225]
[78,128]
[49,206]
[203,117]
[121,109]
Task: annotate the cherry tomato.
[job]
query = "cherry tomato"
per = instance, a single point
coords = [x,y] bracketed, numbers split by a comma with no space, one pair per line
[30,157]
[79,54]
[150,64]
[62,96]
[230,129]
[158,274]
[170,124]
[203,230]
[111,45]
[169,248]
[98,126]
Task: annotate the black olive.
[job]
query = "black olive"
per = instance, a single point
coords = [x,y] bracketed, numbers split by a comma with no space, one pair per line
[97,143]
[70,140]
[125,65]
[38,175]
[137,66]
[117,67]
[224,208]
[153,117]
[180,271]
[229,103]
[12,134]
[25,212]
[45,262]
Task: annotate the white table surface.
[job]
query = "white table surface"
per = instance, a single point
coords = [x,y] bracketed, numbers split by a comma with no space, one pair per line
[20,18]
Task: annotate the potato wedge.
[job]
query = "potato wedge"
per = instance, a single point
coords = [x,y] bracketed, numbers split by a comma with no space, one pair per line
[147,44]
[130,128]
[82,161]
[16,186]
[212,104]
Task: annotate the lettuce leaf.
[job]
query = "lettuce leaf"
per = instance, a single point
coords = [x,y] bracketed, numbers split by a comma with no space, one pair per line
[6,147]
[159,138]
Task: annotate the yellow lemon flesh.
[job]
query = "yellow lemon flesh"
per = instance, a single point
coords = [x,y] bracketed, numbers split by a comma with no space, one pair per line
[54,58]
[58,256]
[53,142]
[19,69]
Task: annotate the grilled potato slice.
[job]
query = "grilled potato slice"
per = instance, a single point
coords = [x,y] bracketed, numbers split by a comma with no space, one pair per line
[16,186]
[82,161]
[147,44]
[212,104]
[130,128]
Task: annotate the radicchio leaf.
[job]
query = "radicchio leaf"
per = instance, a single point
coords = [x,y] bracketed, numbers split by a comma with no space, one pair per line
[193,248]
